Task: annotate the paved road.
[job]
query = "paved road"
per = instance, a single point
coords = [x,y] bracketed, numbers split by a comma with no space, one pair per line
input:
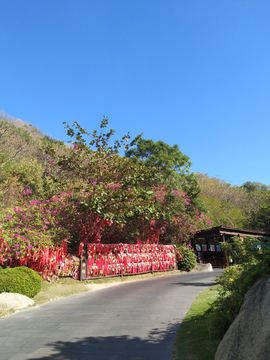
[132,321]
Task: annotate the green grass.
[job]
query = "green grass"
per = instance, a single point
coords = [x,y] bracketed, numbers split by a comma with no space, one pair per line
[6,312]
[59,289]
[196,340]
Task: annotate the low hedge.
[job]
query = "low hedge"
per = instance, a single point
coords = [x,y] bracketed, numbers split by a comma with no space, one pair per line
[189,259]
[21,280]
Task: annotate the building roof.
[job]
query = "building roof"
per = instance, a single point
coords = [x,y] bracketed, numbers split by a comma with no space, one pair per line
[227,230]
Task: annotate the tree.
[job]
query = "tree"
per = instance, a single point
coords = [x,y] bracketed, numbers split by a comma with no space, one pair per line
[259,217]
[123,199]
[172,165]
[112,191]
[252,186]
[168,159]
[12,143]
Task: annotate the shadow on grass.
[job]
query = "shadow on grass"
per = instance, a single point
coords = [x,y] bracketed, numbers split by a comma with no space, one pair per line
[196,339]
[158,346]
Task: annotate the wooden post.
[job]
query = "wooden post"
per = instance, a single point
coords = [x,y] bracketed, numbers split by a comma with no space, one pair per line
[225,252]
[175,259]
[84,264]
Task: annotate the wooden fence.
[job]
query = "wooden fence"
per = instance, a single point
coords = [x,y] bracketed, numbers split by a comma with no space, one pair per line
[110,260]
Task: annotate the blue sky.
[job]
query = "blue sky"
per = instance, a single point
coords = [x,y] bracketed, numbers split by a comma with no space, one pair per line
[190,72]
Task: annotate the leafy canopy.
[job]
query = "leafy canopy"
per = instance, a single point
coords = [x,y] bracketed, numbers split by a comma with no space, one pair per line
[165,157]
[172,165]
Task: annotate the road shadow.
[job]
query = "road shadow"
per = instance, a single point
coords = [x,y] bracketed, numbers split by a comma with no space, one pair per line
[157,346]
[194,284]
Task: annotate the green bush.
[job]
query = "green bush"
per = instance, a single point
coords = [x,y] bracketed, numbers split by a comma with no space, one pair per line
[21,280]
[253,263]
[189,260]
[243,251]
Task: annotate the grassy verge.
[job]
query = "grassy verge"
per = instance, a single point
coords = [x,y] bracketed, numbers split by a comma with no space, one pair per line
[59,289]
[195,338]
[67,287]
[6,312]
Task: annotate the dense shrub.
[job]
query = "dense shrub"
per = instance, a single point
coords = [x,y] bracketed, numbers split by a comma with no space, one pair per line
[253,263]
[189,259]
[20,280]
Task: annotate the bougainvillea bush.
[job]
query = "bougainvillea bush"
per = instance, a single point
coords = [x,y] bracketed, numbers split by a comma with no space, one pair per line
[40,222]
[49,261]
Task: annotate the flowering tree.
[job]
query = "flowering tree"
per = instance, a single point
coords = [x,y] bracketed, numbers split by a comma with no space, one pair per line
[98,196]
[109,189]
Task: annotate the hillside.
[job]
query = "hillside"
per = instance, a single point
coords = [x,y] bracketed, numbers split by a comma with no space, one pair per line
[246,206]
[22,160]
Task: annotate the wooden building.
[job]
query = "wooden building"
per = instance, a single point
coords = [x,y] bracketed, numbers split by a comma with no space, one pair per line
[206,243]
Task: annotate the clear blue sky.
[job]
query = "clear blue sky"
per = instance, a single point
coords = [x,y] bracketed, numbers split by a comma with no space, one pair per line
[190,72]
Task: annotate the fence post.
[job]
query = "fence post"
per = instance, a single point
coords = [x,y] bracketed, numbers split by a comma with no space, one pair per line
[175,258]
[84,264]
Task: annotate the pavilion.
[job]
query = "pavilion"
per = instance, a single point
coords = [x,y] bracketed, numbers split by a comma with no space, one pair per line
[206,243]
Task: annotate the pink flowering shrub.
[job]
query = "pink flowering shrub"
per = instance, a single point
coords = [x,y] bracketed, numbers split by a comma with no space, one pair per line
[39,223]
[48,261]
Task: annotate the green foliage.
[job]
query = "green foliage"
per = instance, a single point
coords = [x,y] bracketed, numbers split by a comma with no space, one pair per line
[252,186]
[253,257]
[260,218]
[21,280]
[227,205]
[40,223]
[14,140]
[189,258]
[21,161]
[47,140]
[247,206]
[114,187]
[223,213]
[161,155]
[243,251]
[17,177]
[172,167]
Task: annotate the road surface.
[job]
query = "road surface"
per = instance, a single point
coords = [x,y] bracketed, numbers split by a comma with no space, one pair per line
[131,321]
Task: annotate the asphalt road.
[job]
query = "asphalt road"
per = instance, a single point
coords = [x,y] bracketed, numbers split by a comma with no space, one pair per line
[132,321]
